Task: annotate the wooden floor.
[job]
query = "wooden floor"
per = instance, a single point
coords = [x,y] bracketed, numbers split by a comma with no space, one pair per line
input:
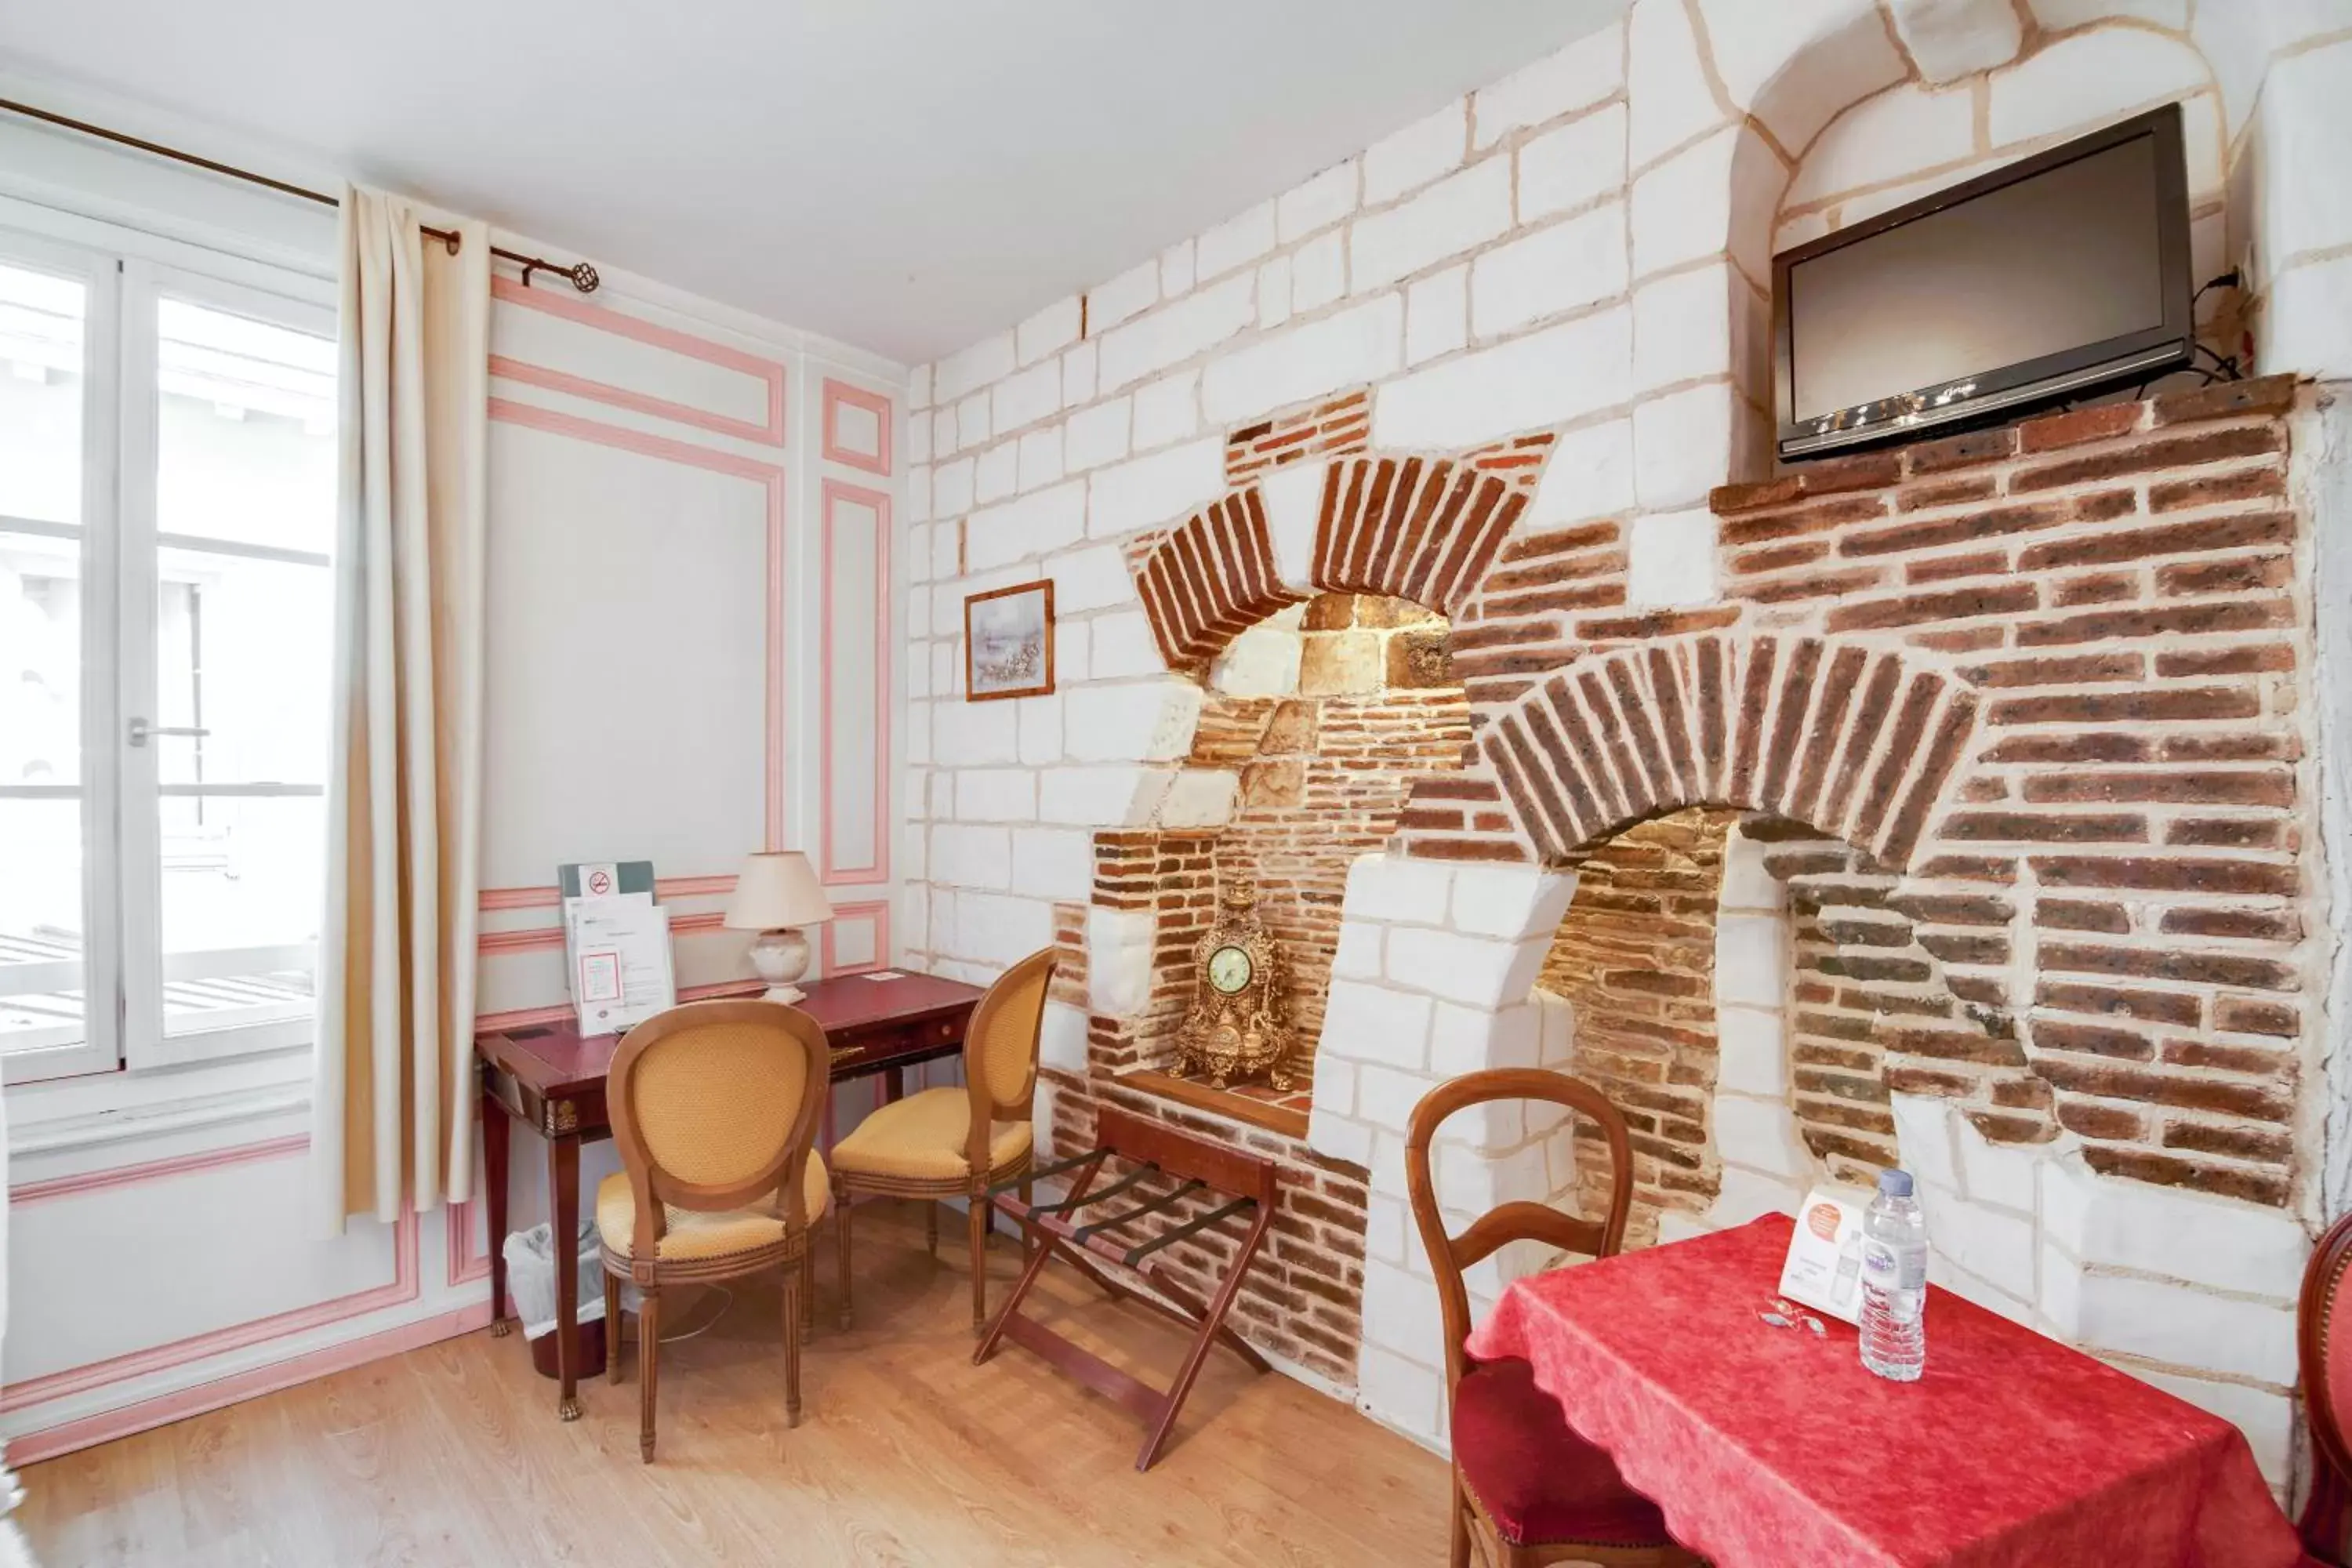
[907,1453]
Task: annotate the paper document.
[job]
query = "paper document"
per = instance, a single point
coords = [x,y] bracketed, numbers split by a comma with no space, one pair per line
[621,972]
[1824,1267]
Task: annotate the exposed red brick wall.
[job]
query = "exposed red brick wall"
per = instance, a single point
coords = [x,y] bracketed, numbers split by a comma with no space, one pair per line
[1319,430]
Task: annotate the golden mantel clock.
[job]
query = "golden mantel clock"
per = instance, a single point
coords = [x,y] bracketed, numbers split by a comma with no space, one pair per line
[1238,1026]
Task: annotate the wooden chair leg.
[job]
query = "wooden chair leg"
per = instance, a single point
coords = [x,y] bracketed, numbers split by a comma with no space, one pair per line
[1457,1551]
[808,1288]
[931,1225]
[795,1280]
[841,1207]
[979,1217]
[648,1369]
[1028,1242]
[612,1327]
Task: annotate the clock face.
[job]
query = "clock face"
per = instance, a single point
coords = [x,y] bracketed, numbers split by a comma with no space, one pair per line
[1229,969]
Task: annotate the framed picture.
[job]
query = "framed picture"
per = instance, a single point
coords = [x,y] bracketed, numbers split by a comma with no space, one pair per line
[1008,642]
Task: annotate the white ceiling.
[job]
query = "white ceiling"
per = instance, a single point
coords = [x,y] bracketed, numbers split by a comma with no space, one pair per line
[907,175]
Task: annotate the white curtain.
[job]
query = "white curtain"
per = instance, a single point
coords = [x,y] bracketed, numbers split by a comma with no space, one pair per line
[393,1112]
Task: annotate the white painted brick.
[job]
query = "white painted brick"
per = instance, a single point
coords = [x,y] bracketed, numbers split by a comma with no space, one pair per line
[1001,930]
[1995,1247]
[1096,436]
[919,387]
[1026,527]
[1123,645]
[1147,721]
[2002,1173]
[2206,1240]
[1591,475]
[1892,136]
[1236,240]
[1385,1097]
[1369,1023]
[1095,578]
[1577,76]
[972,857]
[1319,272]
[972,422]
[1293,497]
[1462,968]
[1557,1015]
[1510,901]
[1417,154]
[1681,327]
[943,432]
[1447,219]
[1304,361]
[1796,63]
[1274,292]
[1437,314]
[1176,332]
[1388,1224]
[1040,726]
[1161,488]
[2309,326]
[996,795]
[919,731]
[1315,202]
[1053,862]
[2094,77]
[1684,444]
[1027,396]
[969,369]
[1392,888]
[2186,1327]
[1748,882]
[1201,797]
[1358,955]
[1751,1055]
[1467,1039]
[1336,1136]
[1115,796]
[1118,961]
[1336,1078]
[1401,1393]
[952,486]
[1078,374]
[1666,89]
[1578,163]
[1549,377]
[2061,15]
[1262,660]
[997,473]
[1747,1194]
[1577,262]
[1048,332]
[1061,1044]
[1130,293]
[1167,410]
[1176,270]
[2306,124]
[918,493]
[918,438]
[1683,210]
[975,732]
[1949,39]
[1040,458]
[1761,1135]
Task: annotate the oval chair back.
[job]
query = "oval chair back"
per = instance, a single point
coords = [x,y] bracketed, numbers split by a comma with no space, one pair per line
[715,1104]
[2324,1350]
[1000,1054]
[1450,1256]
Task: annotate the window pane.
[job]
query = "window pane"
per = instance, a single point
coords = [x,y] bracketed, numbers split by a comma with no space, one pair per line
[41,661]
[40,395]
[245,430]
[242,897]
[241,654]
[42,983]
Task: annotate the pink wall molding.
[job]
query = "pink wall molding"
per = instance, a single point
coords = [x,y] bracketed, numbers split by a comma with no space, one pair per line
[493,943]
[839,395]
[463,1265]
[550,897]
[769,372]
[154,1171]
[879,912]
[877,723]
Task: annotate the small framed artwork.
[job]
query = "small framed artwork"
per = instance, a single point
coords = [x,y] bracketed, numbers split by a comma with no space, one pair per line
[1008,642]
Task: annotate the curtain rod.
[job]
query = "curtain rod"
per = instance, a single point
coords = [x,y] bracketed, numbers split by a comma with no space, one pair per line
[580,275]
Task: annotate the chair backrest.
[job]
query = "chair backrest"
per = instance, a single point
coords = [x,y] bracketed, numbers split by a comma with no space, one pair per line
[714,1104]
[1449,1256]
[2324,1345]
[1000,1050]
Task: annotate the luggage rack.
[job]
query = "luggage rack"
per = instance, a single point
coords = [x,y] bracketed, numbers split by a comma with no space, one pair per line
[1194,1166]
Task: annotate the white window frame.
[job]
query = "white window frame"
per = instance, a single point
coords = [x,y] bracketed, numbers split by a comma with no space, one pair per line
[126,271]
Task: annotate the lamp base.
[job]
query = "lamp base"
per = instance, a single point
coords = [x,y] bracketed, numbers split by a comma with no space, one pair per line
[779,958]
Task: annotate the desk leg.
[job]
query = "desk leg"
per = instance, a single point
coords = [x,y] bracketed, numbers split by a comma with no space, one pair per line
[495,1127]
[894,1085]
[563,1196]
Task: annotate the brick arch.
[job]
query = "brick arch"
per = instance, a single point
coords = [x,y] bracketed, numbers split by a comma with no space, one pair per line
[1408,527]
[1858,742]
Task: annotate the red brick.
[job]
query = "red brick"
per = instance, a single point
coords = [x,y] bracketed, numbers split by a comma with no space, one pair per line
[2054,431]
[2144,457]
[2263,394]
[2010,598]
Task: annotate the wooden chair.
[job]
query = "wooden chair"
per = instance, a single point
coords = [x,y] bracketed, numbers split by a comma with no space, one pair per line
[1530,1489]
[2324,1349]
[956,1142]
[715,1108]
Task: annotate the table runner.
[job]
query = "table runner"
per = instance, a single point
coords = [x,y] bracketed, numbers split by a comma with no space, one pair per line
[1772,1447]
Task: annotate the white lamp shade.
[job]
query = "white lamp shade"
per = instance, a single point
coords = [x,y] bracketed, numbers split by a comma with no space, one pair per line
[777,890]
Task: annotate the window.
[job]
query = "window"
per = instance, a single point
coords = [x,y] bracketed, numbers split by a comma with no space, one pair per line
[167,510]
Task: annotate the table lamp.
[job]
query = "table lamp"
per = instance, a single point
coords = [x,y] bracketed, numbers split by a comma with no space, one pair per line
[777,893]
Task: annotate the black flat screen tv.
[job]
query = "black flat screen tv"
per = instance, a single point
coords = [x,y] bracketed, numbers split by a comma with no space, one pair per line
[2051,278]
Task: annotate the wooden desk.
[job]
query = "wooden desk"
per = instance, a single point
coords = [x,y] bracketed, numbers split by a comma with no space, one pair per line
[551,1078]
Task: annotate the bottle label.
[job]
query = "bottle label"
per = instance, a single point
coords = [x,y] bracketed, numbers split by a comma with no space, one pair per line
[1888,1268]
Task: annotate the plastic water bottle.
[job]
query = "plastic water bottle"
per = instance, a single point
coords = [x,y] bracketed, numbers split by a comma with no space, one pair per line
[1894,1282]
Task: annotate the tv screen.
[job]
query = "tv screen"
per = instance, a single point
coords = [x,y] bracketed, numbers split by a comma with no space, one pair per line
[2050,277]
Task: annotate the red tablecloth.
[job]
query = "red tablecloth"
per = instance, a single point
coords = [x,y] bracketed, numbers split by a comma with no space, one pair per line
[1771,1447]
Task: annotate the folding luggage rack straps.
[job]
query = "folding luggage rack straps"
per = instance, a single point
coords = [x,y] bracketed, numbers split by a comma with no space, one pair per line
[1191,1166]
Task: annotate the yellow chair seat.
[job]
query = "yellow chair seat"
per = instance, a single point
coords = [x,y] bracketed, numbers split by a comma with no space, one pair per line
[694,1234]
[921,1139]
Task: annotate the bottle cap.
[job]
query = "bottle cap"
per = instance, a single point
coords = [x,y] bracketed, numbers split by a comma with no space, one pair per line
[1895,1184]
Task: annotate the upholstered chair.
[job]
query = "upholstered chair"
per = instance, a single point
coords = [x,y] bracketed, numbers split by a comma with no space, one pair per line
[1529,1489]
[715,1108]
[956,1142]
[2323,1346]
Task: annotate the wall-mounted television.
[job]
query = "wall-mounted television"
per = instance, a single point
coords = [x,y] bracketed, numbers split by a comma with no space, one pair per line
[2055,277]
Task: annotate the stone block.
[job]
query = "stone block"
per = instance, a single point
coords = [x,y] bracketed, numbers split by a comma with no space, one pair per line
[969,369]
[1305,361]
[1437,311]
[1410,158]
[951,488]
[1557,1017]
[1747,1194]
[1702,203]
[1761,1136]
[970,733]
[1274,292]
[1176,270]
[1047,332]
[1078,374]
[1548,377]
[1062,1038]
[1752,1052]
[1239,239]
[1024,528]
[1684,445]
[996,795]
[1315,202]
[1588,70]
[2309,326]
[1510,901]
[1025,397]
[1293,497]
[1471,1039]
[2103,1221]
[1461,211]
[973,421]
[1976,1289]
[917,442]
[1357,954]
[1167,410]
[2003,1174]
[1996,1246]
[1896,135]
[1041,459]
[1682,327]
[2185,1327]
[1176,332]
[2063,16]
[1119,944]
[1671,560]
[1367,1023]
[1471,970]
[1261,661]
[1340,664]
[1588,474]
[1132,722]
[1319,272]
[972,857]
[1922,1130]
[1096,436]
[1949,39]
[1748,882]
[1145,492]
[1201,797]
[1336,1136]
[1093,578]
[1039,725]
[919,387]
[1577,262]
[1053,862]
[1385,1096]
[1127,296]
[1122,645]
[1115,796]
[1395,890]
[1574,165]
[998,929]
[1666,89]
[1402,1394]
[1794,65]
[1388,1227]
[2080,81]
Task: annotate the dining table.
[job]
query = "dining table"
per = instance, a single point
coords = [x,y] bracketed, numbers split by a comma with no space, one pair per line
[1767,1444]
